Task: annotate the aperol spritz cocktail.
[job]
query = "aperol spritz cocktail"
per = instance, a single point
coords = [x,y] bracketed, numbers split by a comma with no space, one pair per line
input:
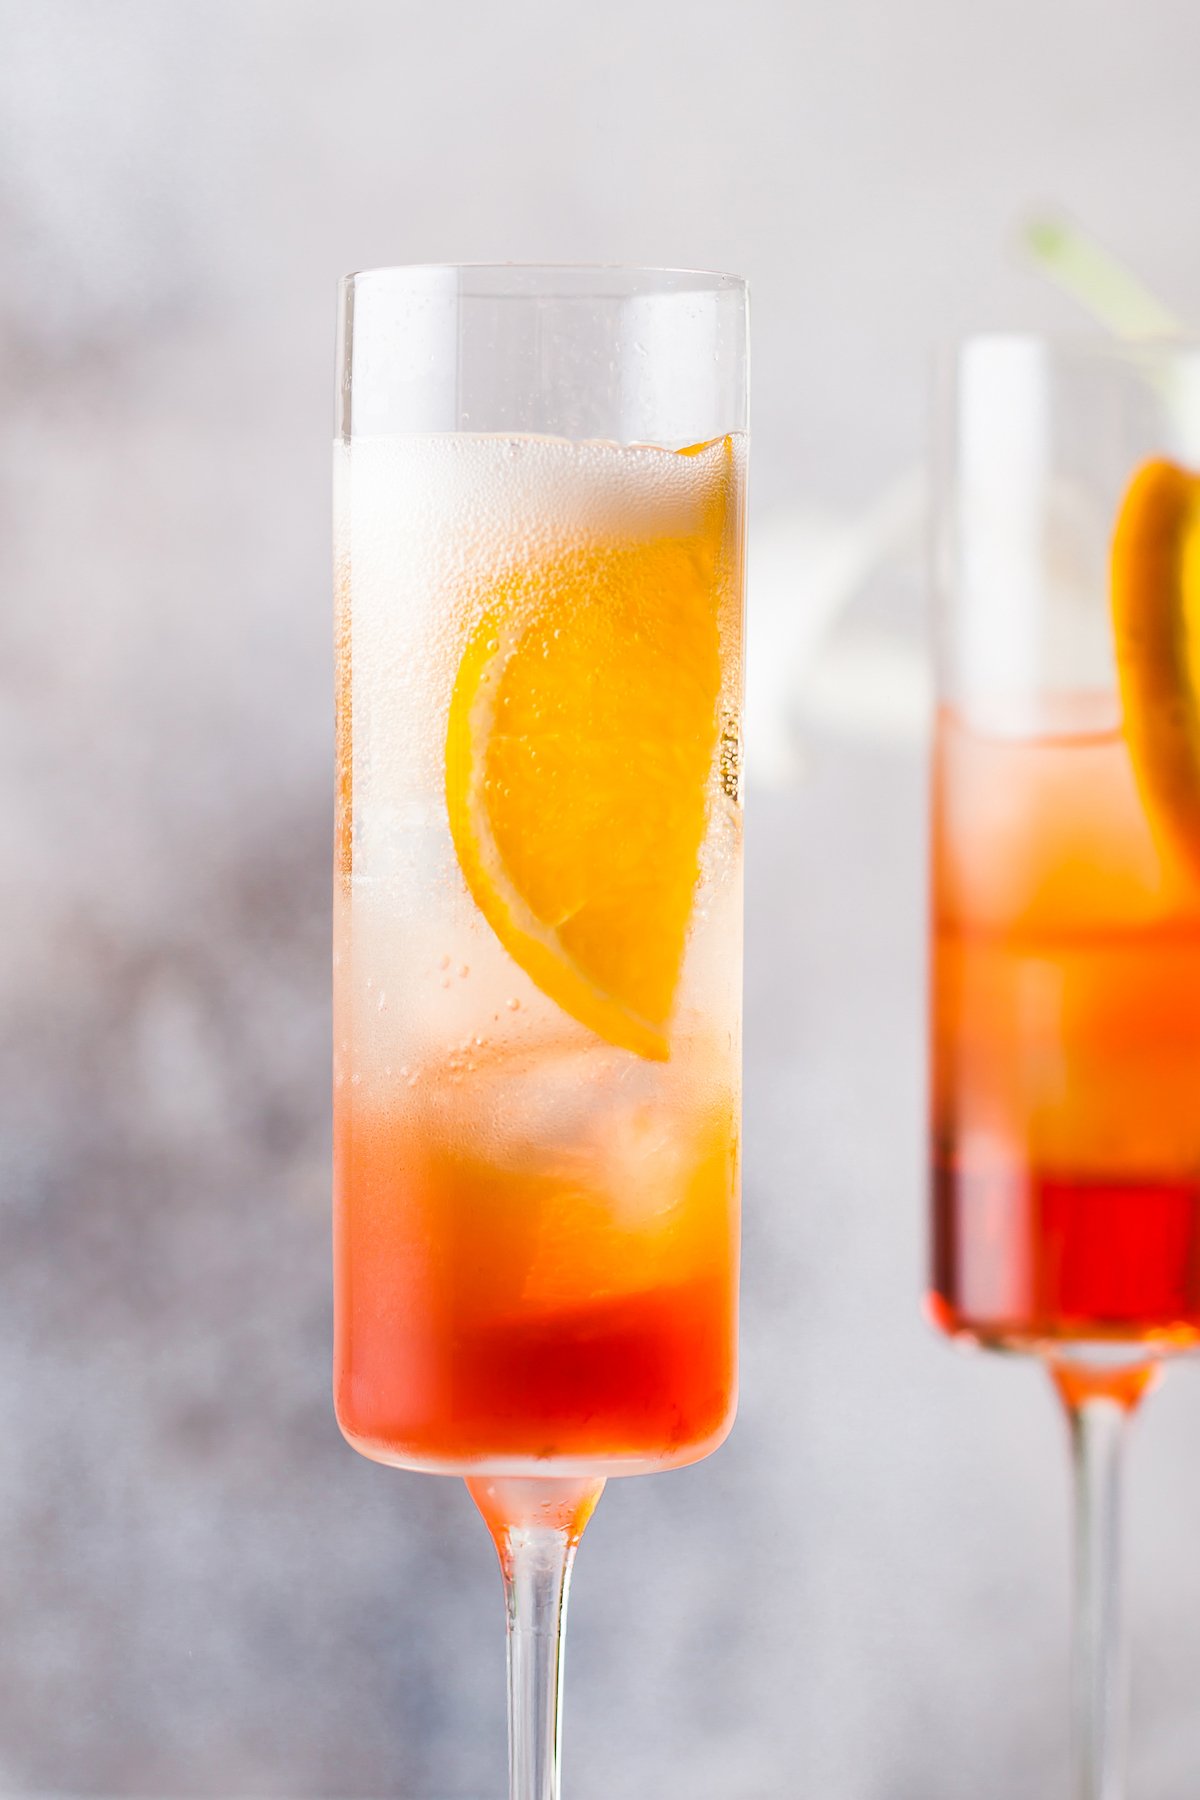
[538,952]
[539,485]
[1065,1015]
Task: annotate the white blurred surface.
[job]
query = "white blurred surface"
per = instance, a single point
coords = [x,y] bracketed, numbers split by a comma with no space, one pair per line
[204,1592]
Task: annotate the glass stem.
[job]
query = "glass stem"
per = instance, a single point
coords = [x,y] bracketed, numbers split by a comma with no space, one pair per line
[1098,1405]
[536,1526]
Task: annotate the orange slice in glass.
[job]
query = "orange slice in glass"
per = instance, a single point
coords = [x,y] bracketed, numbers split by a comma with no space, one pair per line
[1156,623]
[580,746]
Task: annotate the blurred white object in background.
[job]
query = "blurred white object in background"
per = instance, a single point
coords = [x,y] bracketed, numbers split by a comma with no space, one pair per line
[808,663]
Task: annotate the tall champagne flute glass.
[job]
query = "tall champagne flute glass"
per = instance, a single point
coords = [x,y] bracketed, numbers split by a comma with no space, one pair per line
[539,529]
[1066,907]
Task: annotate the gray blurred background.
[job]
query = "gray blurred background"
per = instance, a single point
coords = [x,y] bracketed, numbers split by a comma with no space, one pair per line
[202,1590]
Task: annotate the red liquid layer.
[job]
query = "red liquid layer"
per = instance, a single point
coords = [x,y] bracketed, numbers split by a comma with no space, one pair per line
[491,1316]
[645,1378]
[1042,1258]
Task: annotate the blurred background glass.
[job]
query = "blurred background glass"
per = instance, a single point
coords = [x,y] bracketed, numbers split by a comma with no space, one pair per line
[204,1591]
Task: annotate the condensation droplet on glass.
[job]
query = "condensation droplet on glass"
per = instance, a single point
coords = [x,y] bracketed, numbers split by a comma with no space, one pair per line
[444,961]
[464,969]
[513,1004]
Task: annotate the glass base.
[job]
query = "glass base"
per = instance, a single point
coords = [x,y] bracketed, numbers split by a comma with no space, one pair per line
[1092,1345]
[545,1467]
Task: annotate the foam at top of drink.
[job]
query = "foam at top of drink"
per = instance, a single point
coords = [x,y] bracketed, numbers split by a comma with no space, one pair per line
[509,498]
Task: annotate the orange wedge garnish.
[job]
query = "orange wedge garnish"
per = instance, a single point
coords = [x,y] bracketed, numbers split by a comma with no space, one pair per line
[579,751]
[1156,625]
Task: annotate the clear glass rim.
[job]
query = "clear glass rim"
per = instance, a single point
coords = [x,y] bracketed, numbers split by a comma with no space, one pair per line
[620,276]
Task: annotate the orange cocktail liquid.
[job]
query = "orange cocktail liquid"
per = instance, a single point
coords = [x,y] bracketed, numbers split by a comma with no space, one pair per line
[1066,1042]
[537,948]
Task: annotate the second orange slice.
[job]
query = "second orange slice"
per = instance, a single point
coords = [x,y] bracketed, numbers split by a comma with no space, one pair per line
[1156,622]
